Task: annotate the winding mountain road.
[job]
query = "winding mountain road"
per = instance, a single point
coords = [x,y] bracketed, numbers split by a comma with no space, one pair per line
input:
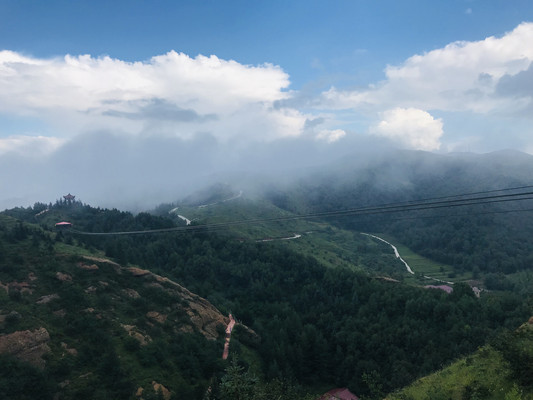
[222,201]
[396,253]
[295,236]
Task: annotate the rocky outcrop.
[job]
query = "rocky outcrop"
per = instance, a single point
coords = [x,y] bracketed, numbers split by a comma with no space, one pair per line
[63,277]
[117,267]
[134,333]
[47,299]
[204,317]
[131,293]
[160,388]
[138,271]
[69,350]
[92,267]
[102,260]
[27,346]
[156,316]
[22,287]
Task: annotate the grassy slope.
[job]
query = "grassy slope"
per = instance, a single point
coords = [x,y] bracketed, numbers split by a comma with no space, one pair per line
[483,375]
[424,266]
[330,245]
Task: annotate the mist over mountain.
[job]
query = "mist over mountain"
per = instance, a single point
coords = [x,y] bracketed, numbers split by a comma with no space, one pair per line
[136,173]
[401,175]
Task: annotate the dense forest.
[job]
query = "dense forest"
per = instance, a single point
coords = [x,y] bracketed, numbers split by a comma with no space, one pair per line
[316,326]
[323,325]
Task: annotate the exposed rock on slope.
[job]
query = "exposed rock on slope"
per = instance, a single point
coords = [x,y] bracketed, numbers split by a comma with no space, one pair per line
[203,315]
[26,345]
[134,332]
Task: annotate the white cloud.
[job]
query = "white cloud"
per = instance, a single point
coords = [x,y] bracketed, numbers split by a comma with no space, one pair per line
[80,93]
[330,136]
[412,127]
[30,146]
[462,76]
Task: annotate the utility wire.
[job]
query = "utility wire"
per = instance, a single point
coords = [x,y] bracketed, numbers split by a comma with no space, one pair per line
[461,200]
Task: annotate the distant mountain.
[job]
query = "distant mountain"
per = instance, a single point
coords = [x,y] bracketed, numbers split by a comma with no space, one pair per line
[410,175]
[489,237]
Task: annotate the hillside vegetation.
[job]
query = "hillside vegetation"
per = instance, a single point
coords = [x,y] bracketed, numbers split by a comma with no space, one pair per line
[502,370]
[316,326]
[111,307]
[86,327]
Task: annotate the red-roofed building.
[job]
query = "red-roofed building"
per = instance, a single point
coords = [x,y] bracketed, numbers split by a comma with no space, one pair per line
[339,394]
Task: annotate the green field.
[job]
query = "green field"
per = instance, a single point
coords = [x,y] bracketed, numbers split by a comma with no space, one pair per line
[332,246]
[423,266]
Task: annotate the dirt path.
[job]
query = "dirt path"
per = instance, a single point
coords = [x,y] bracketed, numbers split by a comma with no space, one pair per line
[229,328]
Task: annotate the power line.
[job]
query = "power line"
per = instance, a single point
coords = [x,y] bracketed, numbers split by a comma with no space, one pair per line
[461,200]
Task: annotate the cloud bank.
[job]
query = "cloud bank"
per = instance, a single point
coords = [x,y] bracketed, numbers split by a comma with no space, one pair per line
[109,129]
[170,94]
[461,76]
[490,76]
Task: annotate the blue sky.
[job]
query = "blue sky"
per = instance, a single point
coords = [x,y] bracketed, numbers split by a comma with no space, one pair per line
[317,76]
[313,41]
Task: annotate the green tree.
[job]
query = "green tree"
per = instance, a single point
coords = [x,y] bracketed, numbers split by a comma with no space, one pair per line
[237,384]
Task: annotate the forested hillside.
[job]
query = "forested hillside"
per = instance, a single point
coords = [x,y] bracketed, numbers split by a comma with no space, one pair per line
[77,325]
[491,238]
[315,326]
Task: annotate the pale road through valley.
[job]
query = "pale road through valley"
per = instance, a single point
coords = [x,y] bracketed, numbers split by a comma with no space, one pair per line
[396,253]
